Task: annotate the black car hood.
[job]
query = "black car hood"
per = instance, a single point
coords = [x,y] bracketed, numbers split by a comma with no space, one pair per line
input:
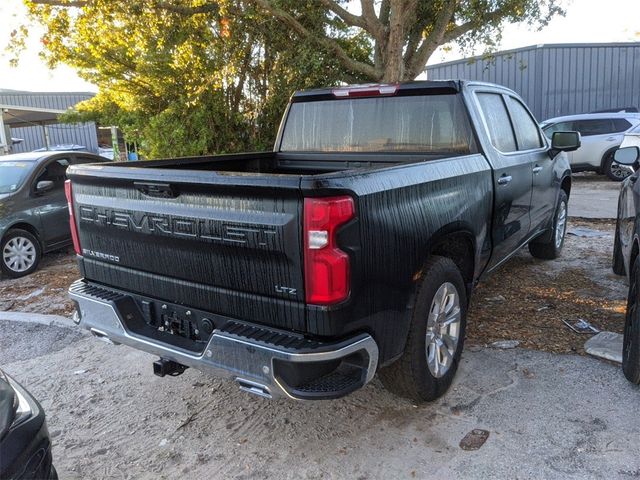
[7,405]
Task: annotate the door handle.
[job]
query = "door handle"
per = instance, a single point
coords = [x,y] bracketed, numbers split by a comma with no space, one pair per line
[503,180]
[610,139]
[537,169]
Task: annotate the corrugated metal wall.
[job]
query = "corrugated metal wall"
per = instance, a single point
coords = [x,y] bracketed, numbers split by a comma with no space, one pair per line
[80,134]
[558,80]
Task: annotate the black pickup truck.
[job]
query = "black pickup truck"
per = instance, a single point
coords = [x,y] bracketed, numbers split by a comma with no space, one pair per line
[350,249]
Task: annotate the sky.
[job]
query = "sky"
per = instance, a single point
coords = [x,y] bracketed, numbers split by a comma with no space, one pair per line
[586,21]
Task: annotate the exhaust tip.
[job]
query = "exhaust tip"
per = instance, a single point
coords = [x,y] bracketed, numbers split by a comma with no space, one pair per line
[254,388]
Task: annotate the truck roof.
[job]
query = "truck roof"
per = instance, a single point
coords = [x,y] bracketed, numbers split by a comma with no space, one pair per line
[383,89]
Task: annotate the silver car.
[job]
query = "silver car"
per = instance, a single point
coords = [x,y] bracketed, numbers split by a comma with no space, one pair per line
[602,134]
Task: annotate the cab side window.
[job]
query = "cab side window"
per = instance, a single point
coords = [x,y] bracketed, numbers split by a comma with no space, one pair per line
[527,133]
[498,122]
[55,172]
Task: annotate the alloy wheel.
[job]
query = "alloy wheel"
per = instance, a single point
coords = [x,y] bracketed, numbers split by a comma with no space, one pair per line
[443,329]
[561,224]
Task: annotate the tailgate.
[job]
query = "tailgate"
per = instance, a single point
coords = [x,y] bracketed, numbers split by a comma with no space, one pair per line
[224,246]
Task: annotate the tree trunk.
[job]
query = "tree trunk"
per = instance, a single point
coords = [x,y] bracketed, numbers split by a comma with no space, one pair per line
[394,65]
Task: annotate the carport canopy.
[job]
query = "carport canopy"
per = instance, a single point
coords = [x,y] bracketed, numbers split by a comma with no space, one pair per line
[19,116]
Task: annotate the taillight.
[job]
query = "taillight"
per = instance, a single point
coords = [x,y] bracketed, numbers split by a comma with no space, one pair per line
[72,217]
[326,267]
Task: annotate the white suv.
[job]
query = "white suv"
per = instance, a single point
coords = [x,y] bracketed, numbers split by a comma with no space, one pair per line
[602,134]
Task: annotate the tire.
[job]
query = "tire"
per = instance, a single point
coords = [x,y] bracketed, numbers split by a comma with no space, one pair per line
[631,342]
[412,375]
[617,263]
[549,250]
[611,170]
[20,253]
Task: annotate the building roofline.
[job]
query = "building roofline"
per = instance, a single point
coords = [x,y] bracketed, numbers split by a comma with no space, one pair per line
[534,47]
[5,91]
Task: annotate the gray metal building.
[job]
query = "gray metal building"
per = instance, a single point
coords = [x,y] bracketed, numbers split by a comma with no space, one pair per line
[32,116]
[562,79]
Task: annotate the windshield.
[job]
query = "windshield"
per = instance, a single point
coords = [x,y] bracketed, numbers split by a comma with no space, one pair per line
[12,174]
[425,123]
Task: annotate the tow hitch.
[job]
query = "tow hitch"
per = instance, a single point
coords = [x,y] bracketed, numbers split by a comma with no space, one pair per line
[162,367]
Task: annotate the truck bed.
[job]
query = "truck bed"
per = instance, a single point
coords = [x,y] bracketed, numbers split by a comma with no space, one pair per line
[276,163]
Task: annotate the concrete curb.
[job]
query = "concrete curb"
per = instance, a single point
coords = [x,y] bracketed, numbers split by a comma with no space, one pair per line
[39,318]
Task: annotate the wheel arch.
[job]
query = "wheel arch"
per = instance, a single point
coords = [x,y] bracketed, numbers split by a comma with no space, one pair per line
[24,226]
[457,242]
[605,155]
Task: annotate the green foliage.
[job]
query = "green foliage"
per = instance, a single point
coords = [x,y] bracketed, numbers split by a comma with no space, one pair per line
[188,77]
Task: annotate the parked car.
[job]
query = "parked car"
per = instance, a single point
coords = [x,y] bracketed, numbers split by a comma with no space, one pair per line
[25,447]
[34,217]
[601,134]
[626,246]
[352,247]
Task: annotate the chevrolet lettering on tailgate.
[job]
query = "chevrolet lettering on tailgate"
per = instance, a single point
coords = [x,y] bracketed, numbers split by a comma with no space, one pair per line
[203,229]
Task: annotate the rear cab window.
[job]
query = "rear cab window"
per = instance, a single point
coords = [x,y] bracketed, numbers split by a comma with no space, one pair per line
[435,124]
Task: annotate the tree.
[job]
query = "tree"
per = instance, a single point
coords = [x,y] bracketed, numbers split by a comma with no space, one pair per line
[405,33]
[186,77]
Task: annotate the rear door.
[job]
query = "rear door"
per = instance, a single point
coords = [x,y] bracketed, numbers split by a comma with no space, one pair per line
[221,243]
[512,176]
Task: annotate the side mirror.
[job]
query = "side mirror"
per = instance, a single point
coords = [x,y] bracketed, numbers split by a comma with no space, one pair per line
[44,186]
[565,141]
[627,156]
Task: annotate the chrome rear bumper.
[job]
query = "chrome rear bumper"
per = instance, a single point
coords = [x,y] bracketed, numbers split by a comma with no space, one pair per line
[256,365]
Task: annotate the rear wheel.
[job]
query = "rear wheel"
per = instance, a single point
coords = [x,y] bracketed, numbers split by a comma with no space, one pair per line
[613,170]
[631,342]
[550,249]
[617,263]
[20,253]
[432,353]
